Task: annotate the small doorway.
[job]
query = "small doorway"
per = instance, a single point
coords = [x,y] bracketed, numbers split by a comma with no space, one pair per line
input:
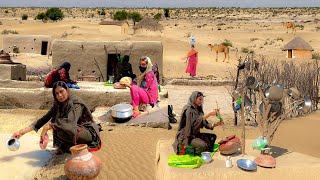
[44,47]
[290,53]
[111,66]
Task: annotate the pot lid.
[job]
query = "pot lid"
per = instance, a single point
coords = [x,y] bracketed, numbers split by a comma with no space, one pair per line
[122,107]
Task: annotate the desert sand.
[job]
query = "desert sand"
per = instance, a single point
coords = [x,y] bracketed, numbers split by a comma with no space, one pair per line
[129,152]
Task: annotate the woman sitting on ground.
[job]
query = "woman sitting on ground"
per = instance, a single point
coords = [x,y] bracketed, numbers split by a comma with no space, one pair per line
[191,121]
[71,121]
[124,69]
[59,74]
[146,90]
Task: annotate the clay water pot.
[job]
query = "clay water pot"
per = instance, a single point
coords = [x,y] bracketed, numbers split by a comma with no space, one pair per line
[82,164]
[229,145]
[265,160]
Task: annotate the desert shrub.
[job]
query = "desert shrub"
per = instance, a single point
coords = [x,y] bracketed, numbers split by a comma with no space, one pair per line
[41,16]
[279,39]
[0,23]
[73,27]
[102,12]
[300,26]
[6,11]
[9,32]
[166,12]
[316,56]
[24,17]
[227,43]
[135,16]
[221,24]
[253,39]
[54,14]
[244,50]
[318,28]
[157,16]
[120,15]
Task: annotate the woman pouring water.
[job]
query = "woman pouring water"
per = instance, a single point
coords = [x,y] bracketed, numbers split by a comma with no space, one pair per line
[71,122]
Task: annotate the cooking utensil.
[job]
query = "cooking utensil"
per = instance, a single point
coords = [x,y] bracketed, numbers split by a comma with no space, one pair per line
[13,144]
[122,112]
[246,164]
[305,106]
[275,107]
[274,93]
[206,156]
[252,83]
[266,160]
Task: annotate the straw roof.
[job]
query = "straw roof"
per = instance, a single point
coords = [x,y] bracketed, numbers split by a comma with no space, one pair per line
[116,23]
[297,43]
[148,23]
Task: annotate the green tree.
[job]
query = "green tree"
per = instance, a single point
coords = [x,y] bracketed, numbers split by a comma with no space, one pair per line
[166,12]
[102,12]
[157,16]
[120,15]
[42,16]
[24,17]
[54,14]
[135,16]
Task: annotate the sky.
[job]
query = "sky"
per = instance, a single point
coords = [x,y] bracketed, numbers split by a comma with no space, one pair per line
[160,3]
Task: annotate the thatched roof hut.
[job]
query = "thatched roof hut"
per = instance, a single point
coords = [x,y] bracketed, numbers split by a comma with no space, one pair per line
[149,24]
[298,48]
[299,44]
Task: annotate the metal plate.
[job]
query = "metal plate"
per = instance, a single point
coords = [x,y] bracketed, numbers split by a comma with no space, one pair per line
[246,164]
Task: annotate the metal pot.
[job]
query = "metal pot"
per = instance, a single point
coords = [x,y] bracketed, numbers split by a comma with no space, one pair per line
[252,83]
[274,93]
[275,107]
[13,144]
[306,106]
[236,94]
[121,112]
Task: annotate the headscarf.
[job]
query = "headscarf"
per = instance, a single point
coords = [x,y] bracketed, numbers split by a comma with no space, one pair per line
[191,100]
[192,52]
[149,69]
[66,65]
[61,111]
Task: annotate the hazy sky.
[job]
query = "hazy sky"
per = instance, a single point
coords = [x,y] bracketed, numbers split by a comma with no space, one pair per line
[160,3]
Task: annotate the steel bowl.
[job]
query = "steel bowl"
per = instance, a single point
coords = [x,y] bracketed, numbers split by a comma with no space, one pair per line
[274,93]
[13,144]
[306,106]
[121,112]
[252,83]
[246,164]
[294,93]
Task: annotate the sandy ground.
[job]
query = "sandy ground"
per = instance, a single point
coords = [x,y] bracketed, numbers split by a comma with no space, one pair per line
[129,152]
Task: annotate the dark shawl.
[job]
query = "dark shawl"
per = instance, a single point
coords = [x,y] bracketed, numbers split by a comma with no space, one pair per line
[191,121]
[68,120]
[66,65]
[124,69]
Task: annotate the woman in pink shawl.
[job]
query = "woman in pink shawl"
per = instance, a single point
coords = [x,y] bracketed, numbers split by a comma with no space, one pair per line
[146,90]
[192,62]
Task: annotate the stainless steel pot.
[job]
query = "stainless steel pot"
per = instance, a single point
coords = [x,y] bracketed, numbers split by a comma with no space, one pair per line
[294,93]
[274,93]
[305,106]
[275,107]
[252,83]
[121,112]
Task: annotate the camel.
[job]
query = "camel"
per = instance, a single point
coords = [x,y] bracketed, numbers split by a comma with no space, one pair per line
[290,25]
[220,48]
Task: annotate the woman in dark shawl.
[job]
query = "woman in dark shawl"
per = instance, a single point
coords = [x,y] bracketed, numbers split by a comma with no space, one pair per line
[59,74]
[124,69]
[71,121]
[191,121]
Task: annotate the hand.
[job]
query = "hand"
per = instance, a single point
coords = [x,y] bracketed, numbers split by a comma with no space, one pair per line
[214,112]
[125,84]
[219,124]
[17,134]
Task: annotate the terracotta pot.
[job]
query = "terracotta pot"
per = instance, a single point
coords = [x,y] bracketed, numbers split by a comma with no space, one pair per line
[229,145]
[82,164]
[265,161]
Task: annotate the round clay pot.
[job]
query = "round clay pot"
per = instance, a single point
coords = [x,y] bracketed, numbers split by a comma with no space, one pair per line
[82,164]
[229,145]
[265,161]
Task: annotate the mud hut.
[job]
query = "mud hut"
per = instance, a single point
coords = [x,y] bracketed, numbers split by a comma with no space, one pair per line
[122,27]
[148,26]
[97,59]
[298,48]
[38,44]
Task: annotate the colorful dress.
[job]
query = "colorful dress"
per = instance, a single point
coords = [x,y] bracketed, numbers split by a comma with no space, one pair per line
[192,62]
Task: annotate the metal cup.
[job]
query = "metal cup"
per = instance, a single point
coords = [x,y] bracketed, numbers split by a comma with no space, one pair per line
[13,144]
